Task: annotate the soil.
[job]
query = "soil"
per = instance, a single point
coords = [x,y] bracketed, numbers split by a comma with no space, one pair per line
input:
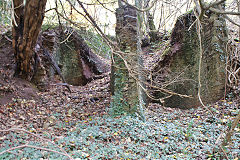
[10,86]
[22,104]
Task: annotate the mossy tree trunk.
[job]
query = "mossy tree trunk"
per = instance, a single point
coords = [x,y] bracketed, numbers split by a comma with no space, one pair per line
[28,18]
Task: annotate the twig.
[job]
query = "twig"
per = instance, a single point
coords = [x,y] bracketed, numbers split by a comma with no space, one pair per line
[230,20]
[40,148]
[95,24]
[8,38]
[104,3]
[228,136]
[139,9]
[224,152]
[104,6]
[200,64]
[145,83]
[215,4]
[38,136]
[66,39]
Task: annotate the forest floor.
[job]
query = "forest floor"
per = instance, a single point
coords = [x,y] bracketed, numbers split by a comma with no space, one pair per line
[57,124]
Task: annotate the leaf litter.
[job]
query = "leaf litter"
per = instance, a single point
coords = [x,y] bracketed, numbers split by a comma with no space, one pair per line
[79,124]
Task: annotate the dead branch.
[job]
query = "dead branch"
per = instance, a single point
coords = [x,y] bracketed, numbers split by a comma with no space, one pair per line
[102,4]
[35,147]
[38,136]
[116,50]
[200,62]
[230,20]
[119,53]
[218,11]
[139,9]
[95,25]
[55,66]
[228,136]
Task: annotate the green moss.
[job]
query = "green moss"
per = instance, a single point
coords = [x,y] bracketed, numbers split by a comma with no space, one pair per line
[49,26]
[96,43]
[185,63]
[166,52]
[71,68]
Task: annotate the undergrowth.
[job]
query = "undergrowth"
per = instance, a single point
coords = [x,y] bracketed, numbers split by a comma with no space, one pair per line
[129,138]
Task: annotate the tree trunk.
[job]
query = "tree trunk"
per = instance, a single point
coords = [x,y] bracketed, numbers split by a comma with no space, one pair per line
[150,26]
[142,97]
[238,4]
[26,27]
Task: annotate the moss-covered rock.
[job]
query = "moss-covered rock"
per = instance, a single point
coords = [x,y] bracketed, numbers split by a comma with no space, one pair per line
[71,64]
[182,61]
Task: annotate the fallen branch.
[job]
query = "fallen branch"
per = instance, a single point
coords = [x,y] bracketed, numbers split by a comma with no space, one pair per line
[228,136]
[56,68]
[40,148]
[224,152]
[38,136]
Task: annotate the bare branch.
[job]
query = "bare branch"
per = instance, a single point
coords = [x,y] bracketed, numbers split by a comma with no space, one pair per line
[230,20]
[40,148]
[197,6]
[95,24]
[166,91]
[228,137]
[38,136]
[105,7]
[200,62]
[223,12]
[102,3]
[139,9]
[215,4]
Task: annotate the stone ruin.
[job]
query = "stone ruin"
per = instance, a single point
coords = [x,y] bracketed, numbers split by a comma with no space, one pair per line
[124,88]
[126,28]
[76,62]
[180,61]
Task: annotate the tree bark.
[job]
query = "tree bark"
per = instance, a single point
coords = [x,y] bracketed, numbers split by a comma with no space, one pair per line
[26,27]
[150,26]
[142,97]
[238,4]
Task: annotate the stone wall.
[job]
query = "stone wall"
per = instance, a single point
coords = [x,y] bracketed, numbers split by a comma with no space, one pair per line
[126,28]
[75,60]
[182,61]
[123,84]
